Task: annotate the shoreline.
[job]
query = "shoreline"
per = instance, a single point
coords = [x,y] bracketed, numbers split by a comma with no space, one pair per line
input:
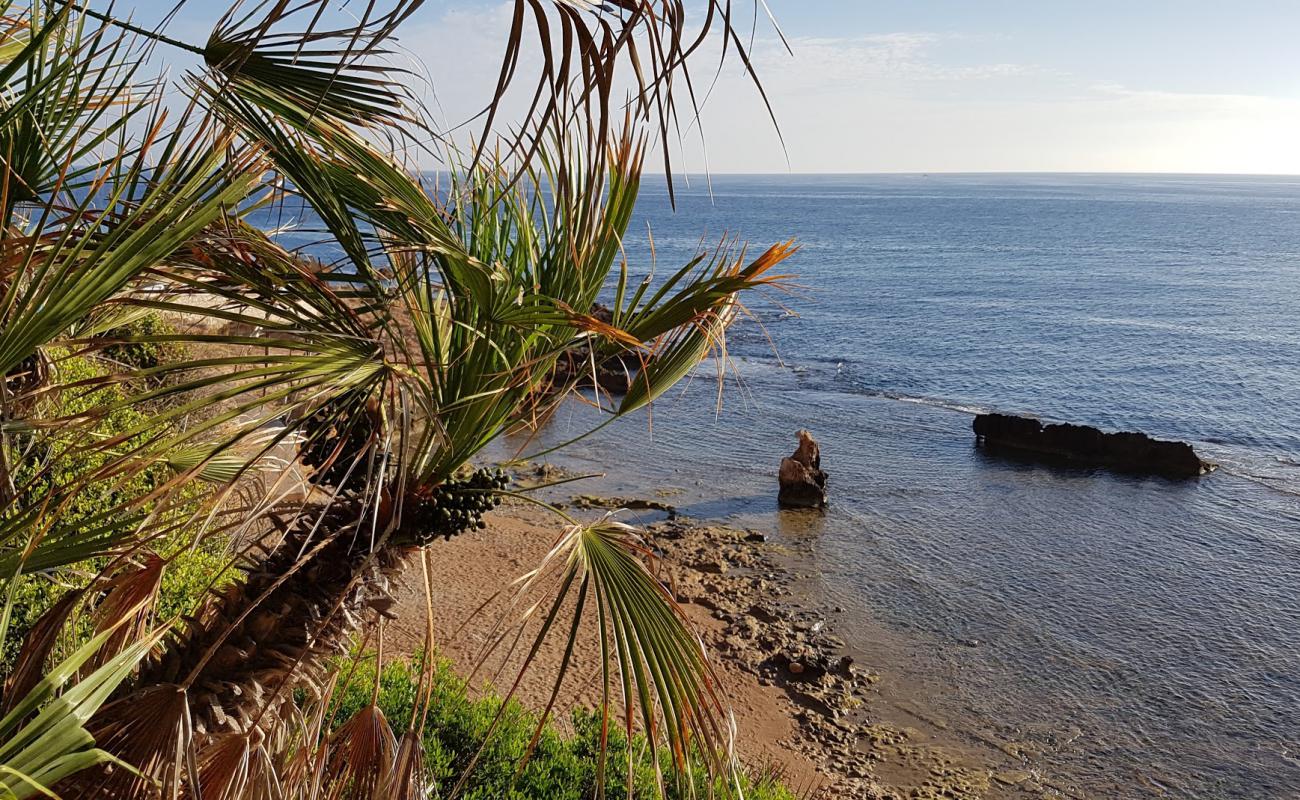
[806,707]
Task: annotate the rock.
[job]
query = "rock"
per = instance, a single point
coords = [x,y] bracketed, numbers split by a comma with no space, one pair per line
[1082,444]
[1012,777]
[613,375]
[802,481]
[762,615]
[624,503]
[712,567]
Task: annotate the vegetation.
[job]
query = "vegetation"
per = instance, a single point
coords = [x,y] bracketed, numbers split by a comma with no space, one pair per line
[193,415]
[46,460]
[562,765]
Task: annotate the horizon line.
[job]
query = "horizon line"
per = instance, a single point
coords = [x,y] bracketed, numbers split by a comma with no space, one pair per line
[927,173]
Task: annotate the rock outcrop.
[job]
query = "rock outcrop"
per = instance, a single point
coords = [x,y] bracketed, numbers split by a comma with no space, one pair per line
[802,482]
[613,375]
[1082,444]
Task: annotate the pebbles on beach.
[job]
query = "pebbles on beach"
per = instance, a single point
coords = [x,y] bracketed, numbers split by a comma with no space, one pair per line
[805,707]
[786,642]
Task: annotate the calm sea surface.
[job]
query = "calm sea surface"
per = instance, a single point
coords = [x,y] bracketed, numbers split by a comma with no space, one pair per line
[1132,637]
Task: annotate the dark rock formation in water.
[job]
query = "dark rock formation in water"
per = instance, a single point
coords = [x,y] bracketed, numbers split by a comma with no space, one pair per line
[802,482]
[1082,444]
[613,375]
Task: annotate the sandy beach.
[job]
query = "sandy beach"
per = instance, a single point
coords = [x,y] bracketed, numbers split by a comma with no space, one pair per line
[803,706]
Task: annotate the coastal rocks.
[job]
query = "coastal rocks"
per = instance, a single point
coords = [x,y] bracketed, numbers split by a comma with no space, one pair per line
[613,375]
[575,369]
[760,624]
[1082,444]
[763,629]
[802,482]
[623,503]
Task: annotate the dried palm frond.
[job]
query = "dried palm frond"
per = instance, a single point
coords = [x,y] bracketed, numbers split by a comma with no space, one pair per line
[222,682]
[429,338]
[30,663]
[43,739]
[591,51]
[362,754]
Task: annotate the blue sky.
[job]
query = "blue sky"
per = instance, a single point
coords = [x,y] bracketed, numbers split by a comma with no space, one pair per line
[961,85]
[1171,45]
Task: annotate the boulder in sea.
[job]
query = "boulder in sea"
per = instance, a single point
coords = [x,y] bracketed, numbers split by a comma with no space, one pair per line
[1083,444]
[802,482]
[613,375]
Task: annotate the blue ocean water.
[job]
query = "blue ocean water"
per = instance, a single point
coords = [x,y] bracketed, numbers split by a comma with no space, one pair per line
[1136,637]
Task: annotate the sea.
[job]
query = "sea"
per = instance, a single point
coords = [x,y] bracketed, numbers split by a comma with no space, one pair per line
[1115,636]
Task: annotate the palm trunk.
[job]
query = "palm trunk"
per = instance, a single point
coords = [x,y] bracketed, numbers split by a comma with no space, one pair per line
[274,633]
[229,675]
[240,661]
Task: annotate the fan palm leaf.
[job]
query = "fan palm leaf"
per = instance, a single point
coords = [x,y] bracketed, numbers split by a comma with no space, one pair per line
[654,669]
[372,380]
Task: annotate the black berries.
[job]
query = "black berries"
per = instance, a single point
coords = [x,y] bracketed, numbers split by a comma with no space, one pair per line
[456,506]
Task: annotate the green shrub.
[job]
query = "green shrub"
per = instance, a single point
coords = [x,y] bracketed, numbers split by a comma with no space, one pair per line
[47,458]
[135,350]
[562,767]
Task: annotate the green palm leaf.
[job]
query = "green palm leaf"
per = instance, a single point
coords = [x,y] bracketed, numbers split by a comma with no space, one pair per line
[317,71]
[43,739]
[655,673]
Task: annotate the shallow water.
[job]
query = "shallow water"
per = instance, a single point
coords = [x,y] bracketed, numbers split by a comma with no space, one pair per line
[1138,637]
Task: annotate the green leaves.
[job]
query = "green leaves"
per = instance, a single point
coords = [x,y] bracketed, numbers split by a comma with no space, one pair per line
[316,72]
[43,738]
[435,332]
[688,316]
[655,674]
[65,272]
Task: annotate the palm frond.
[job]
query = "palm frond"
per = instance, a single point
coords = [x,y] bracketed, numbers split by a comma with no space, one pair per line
[314,71]
[656,676]
[68,271]
[372,380]
[43,738]
[591,50]
[72,87]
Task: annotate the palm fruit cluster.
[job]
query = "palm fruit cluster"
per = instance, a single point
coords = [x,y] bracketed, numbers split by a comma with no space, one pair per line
[337,435]
[455,506]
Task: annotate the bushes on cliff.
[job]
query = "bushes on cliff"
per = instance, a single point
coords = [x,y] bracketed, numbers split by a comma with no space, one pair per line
[55,455]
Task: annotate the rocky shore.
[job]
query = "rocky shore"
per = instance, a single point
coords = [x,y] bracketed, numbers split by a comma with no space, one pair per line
[805,707]
[742,581]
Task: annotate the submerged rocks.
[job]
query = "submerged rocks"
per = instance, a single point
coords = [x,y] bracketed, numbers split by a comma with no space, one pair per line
[1082,444]
[802,482]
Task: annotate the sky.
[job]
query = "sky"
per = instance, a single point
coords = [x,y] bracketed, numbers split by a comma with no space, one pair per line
[1201,86]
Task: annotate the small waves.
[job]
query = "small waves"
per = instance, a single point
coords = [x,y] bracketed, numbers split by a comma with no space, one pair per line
[934,402]
[1283,485]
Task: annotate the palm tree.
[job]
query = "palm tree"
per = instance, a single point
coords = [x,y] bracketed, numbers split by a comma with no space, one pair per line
[373,381]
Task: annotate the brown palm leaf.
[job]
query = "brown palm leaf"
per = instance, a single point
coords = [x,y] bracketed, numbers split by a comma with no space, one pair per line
[362,757]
